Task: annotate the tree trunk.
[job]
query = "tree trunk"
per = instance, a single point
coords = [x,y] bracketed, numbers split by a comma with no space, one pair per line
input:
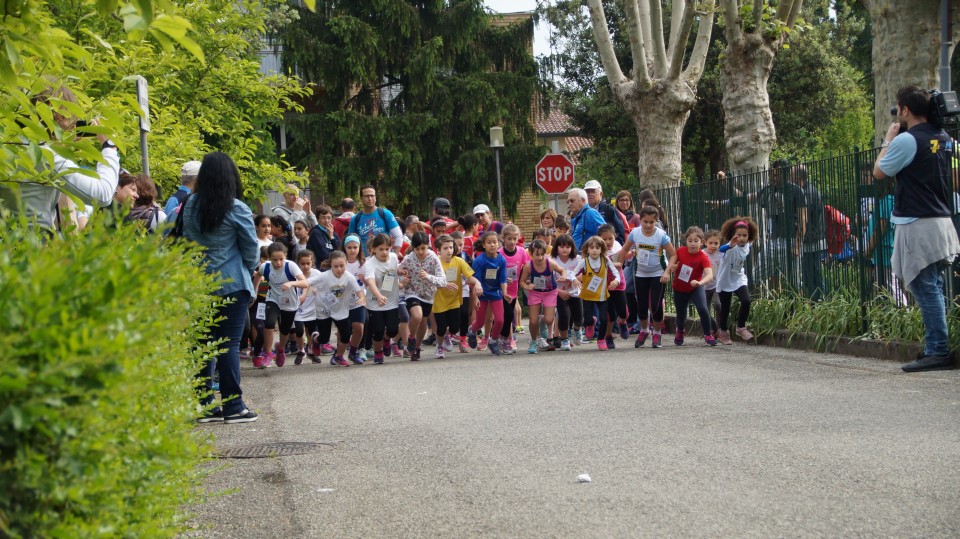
[906,50]
[659,114]
[748,124]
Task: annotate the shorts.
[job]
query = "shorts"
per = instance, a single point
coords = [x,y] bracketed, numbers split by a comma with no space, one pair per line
[358,315]
[424,306]
[285,317]
[547,299]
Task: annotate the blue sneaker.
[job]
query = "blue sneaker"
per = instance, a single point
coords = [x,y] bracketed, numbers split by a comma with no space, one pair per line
[624,331]
[472,338]
[494,346]
[356,358]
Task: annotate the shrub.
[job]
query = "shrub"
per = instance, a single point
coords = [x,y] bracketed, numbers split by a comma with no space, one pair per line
[100,345]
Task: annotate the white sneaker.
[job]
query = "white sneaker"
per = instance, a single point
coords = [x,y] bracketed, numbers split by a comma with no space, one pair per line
[565,345]
[439,354]
[448,343]
[542,343]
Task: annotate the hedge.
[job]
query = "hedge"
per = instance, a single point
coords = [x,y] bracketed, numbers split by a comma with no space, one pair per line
[99,338]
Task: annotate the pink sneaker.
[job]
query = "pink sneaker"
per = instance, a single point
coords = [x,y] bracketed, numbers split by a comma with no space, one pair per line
[258,361]
[281,358]
[267,358]
[602,344]
[482,345]
[339,360]
[744,333]
[395,349]
[589,332]
[327,349]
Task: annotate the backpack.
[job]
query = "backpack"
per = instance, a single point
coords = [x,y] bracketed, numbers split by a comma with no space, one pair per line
[286,269]
[837,227]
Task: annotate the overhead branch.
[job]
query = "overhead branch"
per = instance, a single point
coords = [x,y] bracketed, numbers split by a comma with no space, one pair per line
[698,58]
[643,9]
[601,35]
[677,54]
[640,72]
[794,13]
[758,15]
[676,17]
[656,27]
[732,15]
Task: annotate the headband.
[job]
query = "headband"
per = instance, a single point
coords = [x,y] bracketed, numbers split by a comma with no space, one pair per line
[741,224]
[351,238]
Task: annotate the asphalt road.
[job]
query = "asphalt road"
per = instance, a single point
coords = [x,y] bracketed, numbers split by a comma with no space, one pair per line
[740,441]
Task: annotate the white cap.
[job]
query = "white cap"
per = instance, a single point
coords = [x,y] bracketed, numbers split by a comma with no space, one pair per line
[480,208]
[190,168]
[593,184]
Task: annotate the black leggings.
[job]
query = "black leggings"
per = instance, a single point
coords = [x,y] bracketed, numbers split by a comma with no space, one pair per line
[725,298]
[447,322]
[632,309]
[650,293]
[381,322]
[601,312]
[569,313]
[714,305]
[508,311]
[616,305]
[464,316]
[307,327]
[699,298]
[344,328]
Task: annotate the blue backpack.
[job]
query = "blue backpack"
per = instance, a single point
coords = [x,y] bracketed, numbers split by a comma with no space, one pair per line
[286,269]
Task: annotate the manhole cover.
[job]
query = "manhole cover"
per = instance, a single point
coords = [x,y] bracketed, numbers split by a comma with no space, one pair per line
[276,449]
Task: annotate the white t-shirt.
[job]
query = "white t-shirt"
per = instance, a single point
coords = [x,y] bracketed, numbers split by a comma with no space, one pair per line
[308,309]
[356,268]
[383,272]
[730,273]
[573,265]
[288,300]
[715,259]
[334,294]
[648,250]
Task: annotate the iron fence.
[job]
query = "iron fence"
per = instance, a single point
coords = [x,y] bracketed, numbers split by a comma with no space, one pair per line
[823,227]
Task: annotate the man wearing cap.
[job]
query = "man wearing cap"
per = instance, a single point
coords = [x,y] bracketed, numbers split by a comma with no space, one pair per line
[441,210]
[584,220]
[485,219]
[294,208]
[373,220]
[607,211]
[188,179]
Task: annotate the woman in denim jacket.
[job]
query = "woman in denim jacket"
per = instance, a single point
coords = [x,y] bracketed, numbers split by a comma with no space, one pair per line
[214,218]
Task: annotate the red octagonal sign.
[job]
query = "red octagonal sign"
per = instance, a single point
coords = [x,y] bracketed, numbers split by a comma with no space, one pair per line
[554,173]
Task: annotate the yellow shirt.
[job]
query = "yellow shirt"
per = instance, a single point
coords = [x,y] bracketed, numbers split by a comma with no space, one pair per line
[455,271]
[594,282]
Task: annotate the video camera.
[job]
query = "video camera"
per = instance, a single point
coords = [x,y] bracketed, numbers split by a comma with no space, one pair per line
[944,108]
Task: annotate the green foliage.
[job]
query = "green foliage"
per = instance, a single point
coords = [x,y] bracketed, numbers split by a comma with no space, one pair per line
[406,96]
[100,343]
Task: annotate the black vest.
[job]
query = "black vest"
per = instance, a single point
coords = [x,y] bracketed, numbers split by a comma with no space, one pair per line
[923,186]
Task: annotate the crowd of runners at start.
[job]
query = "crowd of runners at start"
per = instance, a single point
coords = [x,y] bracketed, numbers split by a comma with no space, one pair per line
[391,288]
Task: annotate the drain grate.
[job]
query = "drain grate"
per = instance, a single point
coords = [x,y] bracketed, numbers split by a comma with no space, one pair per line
[275,449]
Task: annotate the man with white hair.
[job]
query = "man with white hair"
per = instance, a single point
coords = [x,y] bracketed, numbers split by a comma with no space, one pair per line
[294,208]
[188,179]
[584,220]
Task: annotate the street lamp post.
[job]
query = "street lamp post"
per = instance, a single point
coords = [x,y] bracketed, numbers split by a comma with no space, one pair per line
[496,142]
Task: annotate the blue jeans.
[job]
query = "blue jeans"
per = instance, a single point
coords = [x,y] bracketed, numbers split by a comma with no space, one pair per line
[228,361]
[927,289]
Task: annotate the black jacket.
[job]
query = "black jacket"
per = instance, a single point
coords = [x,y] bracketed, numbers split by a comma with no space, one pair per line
[322,242]
[609,214]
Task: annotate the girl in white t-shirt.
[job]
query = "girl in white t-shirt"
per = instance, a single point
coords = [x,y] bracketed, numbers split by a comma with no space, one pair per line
[569,306]
[305,321]
[358,315]
[649,243]
[337,293]
[739,234]
[380,273]
[282,300]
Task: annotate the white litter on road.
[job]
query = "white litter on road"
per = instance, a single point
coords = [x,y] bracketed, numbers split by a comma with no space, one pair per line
[584,478]
[325,490]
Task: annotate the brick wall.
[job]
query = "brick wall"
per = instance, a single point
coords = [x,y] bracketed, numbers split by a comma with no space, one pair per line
[532,202]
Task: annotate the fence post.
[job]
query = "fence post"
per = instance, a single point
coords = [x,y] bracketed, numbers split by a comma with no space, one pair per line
[861,241]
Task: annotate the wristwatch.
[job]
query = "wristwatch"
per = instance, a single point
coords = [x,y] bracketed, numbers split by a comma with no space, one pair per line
[885,144]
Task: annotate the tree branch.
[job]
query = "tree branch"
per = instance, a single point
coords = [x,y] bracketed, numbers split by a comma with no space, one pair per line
[656,28]
[643,9]
[758,14]
[701,48]
[676,17]
[677,54]
[732,27]
[794,13]
[601,35]
[640,72]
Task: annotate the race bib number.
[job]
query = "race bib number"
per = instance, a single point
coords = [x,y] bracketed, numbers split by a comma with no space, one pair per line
[595,283]
[737,265]
[685,273]
[540,283]
[261,311]
[643,257]
[389,282]
[286,301]
[512,273]
[452,274]
[328,300]
[491,274]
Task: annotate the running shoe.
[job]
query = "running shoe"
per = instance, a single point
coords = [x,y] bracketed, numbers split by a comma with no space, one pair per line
[611,343]
[472,338]
[494,347]
[533,348]
[602,345]
[589,333]
[678,340]
[267,358]
[245,416]
[356,358]
[724,337]
[641,339]
[656,340]
[565,345]
[710,340]
[744,333]
[338,360]
[378,358]
[624,331]
[327,349]
[482,345]
[448,344]
[415,355]
[396,349]
[439,354]
[299,359]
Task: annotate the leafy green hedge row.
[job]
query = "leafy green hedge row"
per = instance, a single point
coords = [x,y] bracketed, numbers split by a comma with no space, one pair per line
[98,348]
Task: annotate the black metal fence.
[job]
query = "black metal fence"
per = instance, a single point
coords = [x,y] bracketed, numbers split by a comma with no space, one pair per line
[823,226]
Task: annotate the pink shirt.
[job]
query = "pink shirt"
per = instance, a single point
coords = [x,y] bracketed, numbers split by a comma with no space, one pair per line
[515,265]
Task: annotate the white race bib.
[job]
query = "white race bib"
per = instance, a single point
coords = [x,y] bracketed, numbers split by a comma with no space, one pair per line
[389,281]
[595,282]
[643,257]
[328,300]
[540,283]
[737,265]
[261,311]
[685,273]
[512,273]
[491,274]
[285,301]
[452,274]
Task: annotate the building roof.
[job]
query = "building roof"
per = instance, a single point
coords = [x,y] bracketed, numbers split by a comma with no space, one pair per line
[555,124]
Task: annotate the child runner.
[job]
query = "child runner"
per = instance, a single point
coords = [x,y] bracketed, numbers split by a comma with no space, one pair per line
[739,233]
[617,303]
[516,257]
[469,224]
[301,232]
[468,302]
[262,222]
[447,301]
[383,293]
[596,278]
[712,248]
[258,311]
[540,283]
[337,293]
[692,272]
[422,274]
[649,243]
[491,269]
[561,225]
[282,300]
[569,306]
[358,315]
[305,321]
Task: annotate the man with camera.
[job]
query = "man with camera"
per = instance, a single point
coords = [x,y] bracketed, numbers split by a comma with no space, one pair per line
[919,152]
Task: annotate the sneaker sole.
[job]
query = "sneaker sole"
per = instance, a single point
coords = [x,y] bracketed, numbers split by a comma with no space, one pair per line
[241,420]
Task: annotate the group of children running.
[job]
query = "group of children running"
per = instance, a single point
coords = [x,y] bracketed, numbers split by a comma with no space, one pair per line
[464,287]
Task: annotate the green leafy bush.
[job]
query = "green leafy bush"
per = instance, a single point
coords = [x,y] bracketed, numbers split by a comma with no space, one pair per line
[100,340]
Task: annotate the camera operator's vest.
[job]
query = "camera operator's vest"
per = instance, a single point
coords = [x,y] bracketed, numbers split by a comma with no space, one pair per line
[924,187]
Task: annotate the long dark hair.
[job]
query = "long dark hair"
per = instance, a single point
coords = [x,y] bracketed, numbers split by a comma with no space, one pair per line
[218,184]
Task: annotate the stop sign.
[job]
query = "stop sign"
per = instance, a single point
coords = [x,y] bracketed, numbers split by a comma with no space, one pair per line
[554,173]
